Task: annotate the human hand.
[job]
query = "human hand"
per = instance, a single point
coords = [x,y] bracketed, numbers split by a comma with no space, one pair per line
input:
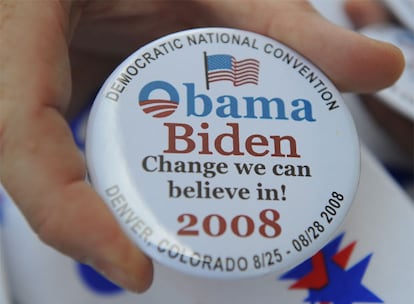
[399,127]
[54,54]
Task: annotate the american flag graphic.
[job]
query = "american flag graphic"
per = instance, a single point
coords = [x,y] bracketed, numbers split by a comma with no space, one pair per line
[224,67]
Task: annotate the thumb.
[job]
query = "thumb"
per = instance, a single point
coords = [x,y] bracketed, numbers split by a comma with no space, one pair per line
[40,165]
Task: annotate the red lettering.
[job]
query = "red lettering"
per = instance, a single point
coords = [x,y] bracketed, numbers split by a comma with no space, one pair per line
[189,144]
[181,139]
[233,137]
[251,141]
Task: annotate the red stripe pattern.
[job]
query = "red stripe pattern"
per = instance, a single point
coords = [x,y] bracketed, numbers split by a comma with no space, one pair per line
[158,107]
[227,68]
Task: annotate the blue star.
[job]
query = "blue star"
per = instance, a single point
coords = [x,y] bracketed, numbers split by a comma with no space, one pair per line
[345,286]
[304,268]
[95,282]
[342,286]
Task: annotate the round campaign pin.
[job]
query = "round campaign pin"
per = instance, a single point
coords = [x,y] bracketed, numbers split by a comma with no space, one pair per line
[223,153]
[403,10]
[400,96]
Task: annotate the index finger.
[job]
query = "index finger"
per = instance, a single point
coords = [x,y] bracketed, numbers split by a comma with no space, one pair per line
[353,62]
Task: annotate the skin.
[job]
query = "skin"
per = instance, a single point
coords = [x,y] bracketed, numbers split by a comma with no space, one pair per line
[400,128]
[55,54]
[367,12]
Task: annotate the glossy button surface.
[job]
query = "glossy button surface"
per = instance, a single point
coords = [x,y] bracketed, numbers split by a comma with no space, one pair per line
[223,153]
